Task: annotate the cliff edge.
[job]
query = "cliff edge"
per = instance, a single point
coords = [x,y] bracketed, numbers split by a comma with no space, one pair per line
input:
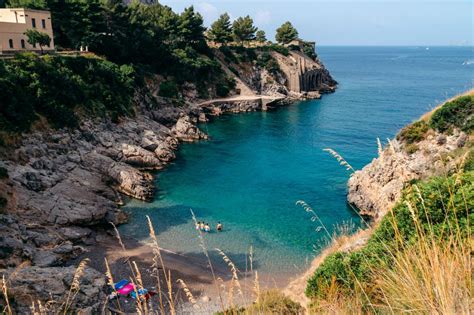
[421,150]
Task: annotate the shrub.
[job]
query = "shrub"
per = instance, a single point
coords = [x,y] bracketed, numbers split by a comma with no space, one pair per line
[428,218]
[413,133]
[228,54]
[458,113]
[3,173]
[294,47]
[269,302]
[411,148]
[280,49]
[3,202]
[234,71]
[469,163]
[309,50]
[168,89]
[225,86]
[265,60]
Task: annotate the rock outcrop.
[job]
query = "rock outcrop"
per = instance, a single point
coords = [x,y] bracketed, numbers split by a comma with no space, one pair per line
[377,187]
[293,76]
[51,286]
[305,75]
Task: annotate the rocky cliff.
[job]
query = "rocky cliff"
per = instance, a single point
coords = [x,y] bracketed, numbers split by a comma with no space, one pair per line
[418,152]
[63,188]
[377,187]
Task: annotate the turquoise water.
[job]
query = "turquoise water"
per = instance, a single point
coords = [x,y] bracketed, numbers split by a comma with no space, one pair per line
[257,165]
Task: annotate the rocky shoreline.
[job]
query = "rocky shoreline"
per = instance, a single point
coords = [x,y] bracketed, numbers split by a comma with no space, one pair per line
[65,187]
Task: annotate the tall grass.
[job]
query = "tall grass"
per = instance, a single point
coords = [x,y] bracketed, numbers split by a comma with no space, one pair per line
[424,265]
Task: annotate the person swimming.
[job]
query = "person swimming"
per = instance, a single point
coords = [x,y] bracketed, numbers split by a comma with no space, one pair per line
[201,226]
[198,226]
[219,227]
[207,228]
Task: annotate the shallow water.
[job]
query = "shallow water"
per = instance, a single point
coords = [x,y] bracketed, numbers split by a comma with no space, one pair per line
[257,165]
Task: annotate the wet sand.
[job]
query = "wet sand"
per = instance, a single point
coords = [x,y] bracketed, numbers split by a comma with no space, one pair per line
[193,270]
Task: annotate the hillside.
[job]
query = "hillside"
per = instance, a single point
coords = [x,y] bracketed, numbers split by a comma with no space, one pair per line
[415,254]
[80,132]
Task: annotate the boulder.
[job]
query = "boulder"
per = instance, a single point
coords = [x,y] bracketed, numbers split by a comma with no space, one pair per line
[186,130]
[52,285]
[139,157]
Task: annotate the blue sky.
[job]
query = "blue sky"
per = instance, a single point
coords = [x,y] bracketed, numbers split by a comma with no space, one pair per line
[345,22]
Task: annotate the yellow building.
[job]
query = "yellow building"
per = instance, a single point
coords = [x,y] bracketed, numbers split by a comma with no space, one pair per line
[15,22]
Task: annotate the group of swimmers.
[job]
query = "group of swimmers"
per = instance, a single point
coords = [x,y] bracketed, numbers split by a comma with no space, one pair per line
[205,227]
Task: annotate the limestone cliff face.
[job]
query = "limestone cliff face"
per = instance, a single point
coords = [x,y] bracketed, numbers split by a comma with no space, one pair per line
[305,74]
[377,187]
[295,75]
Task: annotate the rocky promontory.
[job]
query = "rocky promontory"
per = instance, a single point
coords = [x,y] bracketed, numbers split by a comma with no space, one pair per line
[418,152]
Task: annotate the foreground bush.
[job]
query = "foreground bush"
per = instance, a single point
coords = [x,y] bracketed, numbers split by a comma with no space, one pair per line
[269,302]
[433,220]
[60,89]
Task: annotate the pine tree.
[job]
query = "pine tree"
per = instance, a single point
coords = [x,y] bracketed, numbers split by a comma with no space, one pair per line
[286,33]
[244,29]
[190,27]
[221,30]
[261,36]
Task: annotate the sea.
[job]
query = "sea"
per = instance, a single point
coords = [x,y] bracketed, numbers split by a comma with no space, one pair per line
[256,166]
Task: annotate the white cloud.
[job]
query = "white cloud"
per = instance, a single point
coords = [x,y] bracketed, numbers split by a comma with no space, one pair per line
[208,12]
[263,18]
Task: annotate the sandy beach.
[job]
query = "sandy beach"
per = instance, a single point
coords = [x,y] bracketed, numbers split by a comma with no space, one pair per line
[194,270]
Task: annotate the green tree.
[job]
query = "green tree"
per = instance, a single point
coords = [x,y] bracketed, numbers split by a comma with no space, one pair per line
[286,33]
[221,29]
[191,28]
[76,22]
[38,38]
[261,36]
[30,4]
[243,29]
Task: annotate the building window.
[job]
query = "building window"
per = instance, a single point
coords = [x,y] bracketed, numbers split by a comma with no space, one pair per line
[43,23]
[33,22]
[23,44]
[10,42]
[34,45]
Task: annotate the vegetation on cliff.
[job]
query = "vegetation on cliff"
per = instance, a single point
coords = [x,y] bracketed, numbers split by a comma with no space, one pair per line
[458,113]
[455,114]
[60,89]
[171,45]
[417,258]
[436,209]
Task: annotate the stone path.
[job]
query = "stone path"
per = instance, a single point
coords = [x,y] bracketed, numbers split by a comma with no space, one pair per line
[241,98]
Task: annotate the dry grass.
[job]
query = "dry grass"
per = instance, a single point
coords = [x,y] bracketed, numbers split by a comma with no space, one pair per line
[340,159]
[430,276]
[433,278]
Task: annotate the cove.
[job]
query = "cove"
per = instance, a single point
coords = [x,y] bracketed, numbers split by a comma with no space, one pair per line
[257,165]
